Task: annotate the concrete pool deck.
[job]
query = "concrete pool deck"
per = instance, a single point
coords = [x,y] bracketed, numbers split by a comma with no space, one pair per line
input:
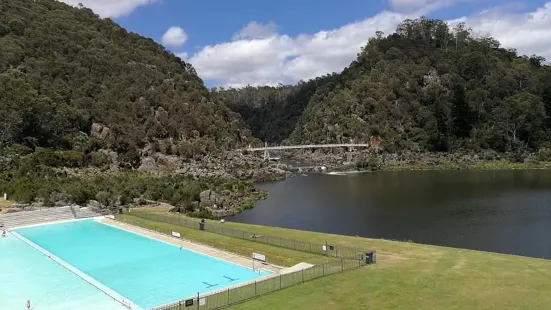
[199,248]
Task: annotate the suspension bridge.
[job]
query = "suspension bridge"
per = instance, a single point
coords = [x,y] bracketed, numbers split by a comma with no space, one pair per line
[266,149]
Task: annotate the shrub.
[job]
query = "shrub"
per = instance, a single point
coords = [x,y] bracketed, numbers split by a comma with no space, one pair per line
[176,199]
[52,158]
[544,153]
[202,213]
[100,159]
[17,26]
[103,197]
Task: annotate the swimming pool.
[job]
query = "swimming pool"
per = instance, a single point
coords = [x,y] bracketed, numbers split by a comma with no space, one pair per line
[145,271]
[26,274]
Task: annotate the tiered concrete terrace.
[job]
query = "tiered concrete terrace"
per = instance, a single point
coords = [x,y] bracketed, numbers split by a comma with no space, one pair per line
[46,215]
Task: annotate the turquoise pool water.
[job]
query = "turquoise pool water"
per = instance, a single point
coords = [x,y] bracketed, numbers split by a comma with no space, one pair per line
[26,274]
[145,271]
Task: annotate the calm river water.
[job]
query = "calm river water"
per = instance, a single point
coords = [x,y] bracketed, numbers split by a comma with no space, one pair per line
[497,211]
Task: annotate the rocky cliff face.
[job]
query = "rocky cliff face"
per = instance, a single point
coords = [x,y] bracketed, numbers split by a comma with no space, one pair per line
[226,165]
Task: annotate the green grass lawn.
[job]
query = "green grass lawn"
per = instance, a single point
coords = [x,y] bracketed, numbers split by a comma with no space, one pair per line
[406,276]
[5,203]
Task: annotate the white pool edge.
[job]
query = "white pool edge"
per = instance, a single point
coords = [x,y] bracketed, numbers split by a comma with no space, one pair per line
[109,292]
[54,222]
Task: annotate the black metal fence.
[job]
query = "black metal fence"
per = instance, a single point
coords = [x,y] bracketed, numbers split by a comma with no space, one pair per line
[327,249]
[231,296]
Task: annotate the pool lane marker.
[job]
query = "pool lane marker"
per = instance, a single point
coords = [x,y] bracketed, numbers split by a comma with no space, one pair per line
[209,285]
[231,279]
[109,292]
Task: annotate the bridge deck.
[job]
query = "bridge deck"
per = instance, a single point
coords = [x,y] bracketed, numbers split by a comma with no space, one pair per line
[308,146]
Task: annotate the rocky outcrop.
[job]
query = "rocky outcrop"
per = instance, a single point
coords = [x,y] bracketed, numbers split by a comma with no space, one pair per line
[160,161]
[233,165]
[221,213]
[99,131]
[94,205]
[209,197]
[270,174]
[60,199]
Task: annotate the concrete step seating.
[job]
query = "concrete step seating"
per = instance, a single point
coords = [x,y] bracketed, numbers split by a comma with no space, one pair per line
[85,213]
[24,218]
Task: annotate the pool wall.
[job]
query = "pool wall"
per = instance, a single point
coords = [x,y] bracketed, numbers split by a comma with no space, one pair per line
[109,292]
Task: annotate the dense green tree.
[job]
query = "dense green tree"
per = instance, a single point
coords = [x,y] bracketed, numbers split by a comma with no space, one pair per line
[63,69]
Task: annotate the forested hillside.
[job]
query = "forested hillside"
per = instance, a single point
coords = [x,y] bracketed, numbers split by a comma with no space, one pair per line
[272,112]
[426,87]
[72,81]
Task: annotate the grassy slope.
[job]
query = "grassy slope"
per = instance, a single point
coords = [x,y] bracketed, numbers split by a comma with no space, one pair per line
[406,276]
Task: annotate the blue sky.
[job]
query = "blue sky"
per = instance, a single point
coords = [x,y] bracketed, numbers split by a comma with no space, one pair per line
[209,22]
[285,40]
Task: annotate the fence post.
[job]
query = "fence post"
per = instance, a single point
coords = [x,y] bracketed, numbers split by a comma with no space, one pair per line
[342,265]
[324,269]
[326,249]
[279,281]
[302,275]
[255,288]
[180,305]
[197,300]
[336,251]
[228,296]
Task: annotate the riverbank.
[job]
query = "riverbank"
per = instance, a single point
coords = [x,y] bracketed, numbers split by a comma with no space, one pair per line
[109,191]
[366,161]
[454,165]
[406,276]
[233,168]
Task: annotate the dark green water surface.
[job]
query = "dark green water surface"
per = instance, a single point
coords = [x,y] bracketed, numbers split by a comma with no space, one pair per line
[498,211]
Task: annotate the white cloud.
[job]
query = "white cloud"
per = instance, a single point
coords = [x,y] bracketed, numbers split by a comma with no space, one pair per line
[283,59]
[110,8]
[280,58]
[527,32]
[175,37]
[255,30]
